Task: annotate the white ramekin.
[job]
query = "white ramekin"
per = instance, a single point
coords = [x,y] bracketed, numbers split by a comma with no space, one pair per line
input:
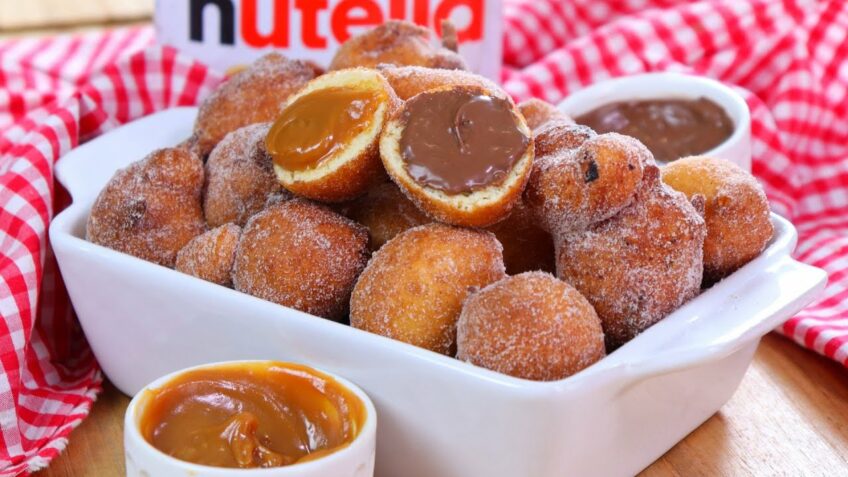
[143,460]
[736,149]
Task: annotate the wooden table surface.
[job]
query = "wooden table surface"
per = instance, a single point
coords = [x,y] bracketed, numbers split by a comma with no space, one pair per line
[26,16]
[788,417]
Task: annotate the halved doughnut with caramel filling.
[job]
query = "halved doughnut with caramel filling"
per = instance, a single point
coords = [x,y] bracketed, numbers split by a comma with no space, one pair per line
[462,154]
[324,143]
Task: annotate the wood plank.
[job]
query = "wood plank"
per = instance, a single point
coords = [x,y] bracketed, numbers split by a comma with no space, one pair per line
[96,447]
[18,15]
[789,417]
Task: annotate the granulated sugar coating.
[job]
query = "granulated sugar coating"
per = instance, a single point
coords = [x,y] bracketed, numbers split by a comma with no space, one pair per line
[151,208]
[413,288]
[640,265]
[573,188]
[190,145]
[530,326]
[239,177]
[253,95]
[526,247]
[407,81]
[398,43]
[538,113]
[736,212]
[210,256]
[281,196]
[386,212]
[558,135]
[302,255]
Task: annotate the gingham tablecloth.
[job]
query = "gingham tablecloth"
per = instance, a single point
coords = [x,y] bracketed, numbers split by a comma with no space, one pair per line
[789,59]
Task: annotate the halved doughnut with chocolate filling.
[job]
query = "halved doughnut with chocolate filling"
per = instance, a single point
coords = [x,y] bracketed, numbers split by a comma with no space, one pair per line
[324,143]
[461,153]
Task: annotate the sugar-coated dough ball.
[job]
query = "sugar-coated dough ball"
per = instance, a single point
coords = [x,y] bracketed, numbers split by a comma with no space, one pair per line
[538,112]
[736,211]
[254,94]
[413,288]
[558,136]
[480,195]
[301,255]
[239,177]
[530,326]
[386,212]
[641,264]
[151,208]
[210,256]
[325,147]
[526,247]
[572,188]
[395,42]
[408,81]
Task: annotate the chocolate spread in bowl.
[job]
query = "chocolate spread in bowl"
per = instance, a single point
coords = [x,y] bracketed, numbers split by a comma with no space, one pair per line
[669,128]
[460,140]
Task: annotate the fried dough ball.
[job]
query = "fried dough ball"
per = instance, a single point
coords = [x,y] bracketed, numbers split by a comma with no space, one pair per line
[413,288]
[301,255]
[557,136]
[485,190]
[407,81]
[398,43]
[530,326]
[573,188]
[386,212]
[641,264]
[538,113]
[151,208]
[253,95]
[324,144]
[239,177]
[526,247]
[210,255]
[190,145]
[736,211]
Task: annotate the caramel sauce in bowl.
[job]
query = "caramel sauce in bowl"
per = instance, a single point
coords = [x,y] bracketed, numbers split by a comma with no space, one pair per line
[250,418]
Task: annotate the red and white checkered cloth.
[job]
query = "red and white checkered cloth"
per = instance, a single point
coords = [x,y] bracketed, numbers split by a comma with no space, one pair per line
[789,58]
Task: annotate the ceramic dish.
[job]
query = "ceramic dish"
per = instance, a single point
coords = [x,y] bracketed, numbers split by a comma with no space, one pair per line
[353,460]
[736,149]
[438,416]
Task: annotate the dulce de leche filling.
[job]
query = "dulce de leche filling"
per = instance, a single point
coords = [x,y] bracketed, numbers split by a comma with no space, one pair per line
[251,415]
[459,141]
[318,124]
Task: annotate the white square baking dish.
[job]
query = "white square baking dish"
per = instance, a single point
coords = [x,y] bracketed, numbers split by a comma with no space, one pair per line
[437,416]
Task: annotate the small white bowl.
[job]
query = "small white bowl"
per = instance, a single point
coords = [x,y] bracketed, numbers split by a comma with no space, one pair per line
[353,460]
[736,149]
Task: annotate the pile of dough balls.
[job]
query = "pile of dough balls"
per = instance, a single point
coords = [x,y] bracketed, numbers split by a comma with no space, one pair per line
[593,244]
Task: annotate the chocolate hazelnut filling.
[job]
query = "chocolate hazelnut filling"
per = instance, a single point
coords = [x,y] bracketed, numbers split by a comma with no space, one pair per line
[316,125]
[459,141]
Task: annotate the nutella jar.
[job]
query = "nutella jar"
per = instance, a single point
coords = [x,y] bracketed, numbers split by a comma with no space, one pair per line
[228,33]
